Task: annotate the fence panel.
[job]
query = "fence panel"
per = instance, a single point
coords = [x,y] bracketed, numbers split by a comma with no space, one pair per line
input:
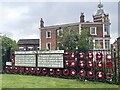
[97,65]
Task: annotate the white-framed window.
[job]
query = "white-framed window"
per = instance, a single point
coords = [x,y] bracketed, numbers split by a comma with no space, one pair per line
[48,45]
[30,48]
[59,32]
[107,44]
[106,30]
[93,31]
[48,34]
[21,48]
[99,44]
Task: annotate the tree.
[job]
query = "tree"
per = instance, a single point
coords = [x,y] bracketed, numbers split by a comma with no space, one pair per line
[71,40]
[85,42]
[68,39]
[8,43]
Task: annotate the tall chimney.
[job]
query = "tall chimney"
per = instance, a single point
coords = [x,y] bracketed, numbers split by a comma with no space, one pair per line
[41,23]
[82,17]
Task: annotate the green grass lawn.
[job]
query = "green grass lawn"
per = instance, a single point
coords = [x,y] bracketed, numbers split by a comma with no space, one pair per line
[24,81]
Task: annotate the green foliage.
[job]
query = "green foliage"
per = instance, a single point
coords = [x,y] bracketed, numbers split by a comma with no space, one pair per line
[72,40]
[9,43]
[84,43]
[24,81]
[68,39]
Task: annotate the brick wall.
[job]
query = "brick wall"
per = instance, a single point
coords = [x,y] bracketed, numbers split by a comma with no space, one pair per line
[118,42]
[99,28]
[52,40]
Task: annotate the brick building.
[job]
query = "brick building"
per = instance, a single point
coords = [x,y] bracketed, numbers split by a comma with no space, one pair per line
[28,44]
[99,28]
[118,42]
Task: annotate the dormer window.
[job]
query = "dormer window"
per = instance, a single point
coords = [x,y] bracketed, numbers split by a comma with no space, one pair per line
[93,31]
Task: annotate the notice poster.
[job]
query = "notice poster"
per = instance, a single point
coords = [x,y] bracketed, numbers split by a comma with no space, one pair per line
[25,59]
[51,59]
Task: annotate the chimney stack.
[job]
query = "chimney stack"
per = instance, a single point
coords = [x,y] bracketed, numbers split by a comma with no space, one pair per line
[82,17]
[41,23]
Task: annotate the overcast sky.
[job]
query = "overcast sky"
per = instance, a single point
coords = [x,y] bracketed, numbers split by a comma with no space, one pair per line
[20,20]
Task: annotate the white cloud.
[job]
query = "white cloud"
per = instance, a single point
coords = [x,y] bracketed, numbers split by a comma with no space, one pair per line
[57,0]
[114,36]
[21,19]
[13,15]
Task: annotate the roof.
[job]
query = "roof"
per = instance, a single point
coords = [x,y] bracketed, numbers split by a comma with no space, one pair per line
[118,38]
[70,24]
[28,41]
[100,10]
[62,25]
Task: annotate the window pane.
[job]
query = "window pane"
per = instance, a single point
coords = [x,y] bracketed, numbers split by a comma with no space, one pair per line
[101,43]
[93,30]
[107,44]
[48,46]
[59,32]
[98,44]
[49,34]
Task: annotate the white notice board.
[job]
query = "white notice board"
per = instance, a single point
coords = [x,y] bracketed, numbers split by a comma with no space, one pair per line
[25,60]
[50,60]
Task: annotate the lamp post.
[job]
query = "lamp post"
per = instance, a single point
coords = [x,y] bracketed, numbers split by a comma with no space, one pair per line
[115,63]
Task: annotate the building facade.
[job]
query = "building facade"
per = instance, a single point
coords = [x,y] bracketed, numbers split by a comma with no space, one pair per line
[28,44]
[118,42]
[99,28]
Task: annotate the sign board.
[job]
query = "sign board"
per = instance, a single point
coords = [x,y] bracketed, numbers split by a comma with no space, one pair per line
[9,63]
[25,58]
[51,59]
[24,52]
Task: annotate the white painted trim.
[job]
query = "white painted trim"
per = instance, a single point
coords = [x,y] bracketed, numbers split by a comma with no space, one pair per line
[21,47]
[25,52]
[30,47]
[98,19]
[52,51]
[40,41]
[80,29]
[90,23]
[102,38]
[9,63]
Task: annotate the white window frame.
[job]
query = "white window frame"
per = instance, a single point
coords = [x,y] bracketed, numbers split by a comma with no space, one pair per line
[108,44]
[47,34]
[47,45]
[91,30]
[99,43]
[58,32]
[30,48]
[21,47]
